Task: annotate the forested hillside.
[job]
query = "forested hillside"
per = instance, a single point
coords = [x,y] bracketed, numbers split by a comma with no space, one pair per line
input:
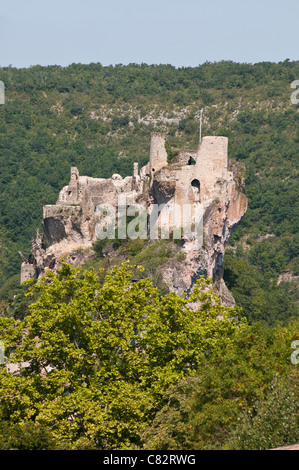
[100,118]
[105,359]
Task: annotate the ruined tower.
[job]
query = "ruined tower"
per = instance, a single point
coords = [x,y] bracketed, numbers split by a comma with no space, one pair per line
[158,154]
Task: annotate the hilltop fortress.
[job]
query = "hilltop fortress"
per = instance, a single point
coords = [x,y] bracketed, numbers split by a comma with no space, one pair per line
[203,177]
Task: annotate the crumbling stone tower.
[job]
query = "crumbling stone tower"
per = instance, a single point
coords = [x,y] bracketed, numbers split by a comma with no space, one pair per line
[158,154]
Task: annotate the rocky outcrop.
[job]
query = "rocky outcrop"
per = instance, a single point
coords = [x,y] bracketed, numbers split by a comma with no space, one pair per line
[202,184]
[219,218]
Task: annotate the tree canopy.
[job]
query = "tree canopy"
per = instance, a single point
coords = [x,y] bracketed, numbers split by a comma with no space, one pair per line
[97,358]
[103,364]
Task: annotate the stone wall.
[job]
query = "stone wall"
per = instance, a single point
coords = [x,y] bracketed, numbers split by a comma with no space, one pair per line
[28,271]
[212,157]
[61,210]
[185,157]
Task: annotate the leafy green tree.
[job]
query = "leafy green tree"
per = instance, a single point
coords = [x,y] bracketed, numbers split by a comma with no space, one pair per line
[96,359]
[27,436]
[260,298]
[274,422]
[204,412]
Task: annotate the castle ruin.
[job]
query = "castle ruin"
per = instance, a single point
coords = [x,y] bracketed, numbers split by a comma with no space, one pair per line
[202,177]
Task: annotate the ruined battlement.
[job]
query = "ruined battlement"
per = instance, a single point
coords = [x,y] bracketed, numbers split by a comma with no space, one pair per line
[193,173]
[61,211]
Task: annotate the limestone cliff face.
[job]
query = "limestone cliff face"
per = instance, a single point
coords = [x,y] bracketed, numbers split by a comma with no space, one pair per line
[203,181]
[209,184]
[222,210]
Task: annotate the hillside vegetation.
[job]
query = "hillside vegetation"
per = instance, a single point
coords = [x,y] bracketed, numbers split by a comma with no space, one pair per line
[100,118]
[109,359]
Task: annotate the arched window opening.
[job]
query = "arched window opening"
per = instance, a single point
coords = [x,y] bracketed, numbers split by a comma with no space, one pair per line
[195,184]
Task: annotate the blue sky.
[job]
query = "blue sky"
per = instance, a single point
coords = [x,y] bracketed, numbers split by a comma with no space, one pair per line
[181,33]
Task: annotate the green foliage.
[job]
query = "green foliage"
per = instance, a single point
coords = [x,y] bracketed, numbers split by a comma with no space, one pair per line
[170,154]
[274,422]
[99,357]
[205,412]
[113,365]
[152,255]
[98,246]
[171,426]
[27,436]
[259,296]
[14,302]
[120,364]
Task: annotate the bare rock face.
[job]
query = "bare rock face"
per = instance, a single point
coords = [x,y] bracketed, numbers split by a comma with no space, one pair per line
[163,187]
[202,185]
[219,218]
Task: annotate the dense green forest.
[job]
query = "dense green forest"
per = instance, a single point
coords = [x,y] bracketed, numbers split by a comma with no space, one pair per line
[100,119]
